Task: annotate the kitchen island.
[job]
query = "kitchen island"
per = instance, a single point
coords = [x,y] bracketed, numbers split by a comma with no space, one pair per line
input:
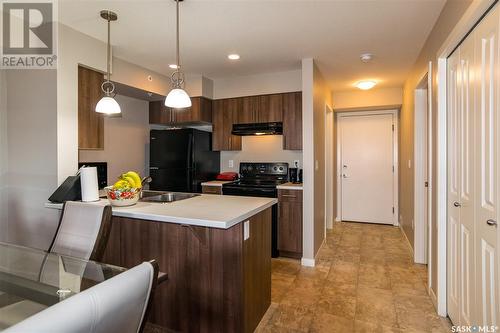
[216,251]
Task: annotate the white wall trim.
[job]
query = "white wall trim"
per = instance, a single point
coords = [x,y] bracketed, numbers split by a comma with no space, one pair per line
[394,113]
[308,262]
[430,149]
[473,14]
[420,157]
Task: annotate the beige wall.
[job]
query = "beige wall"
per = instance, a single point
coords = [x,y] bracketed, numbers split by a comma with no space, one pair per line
[450,15]
[29,162]
[316,95]
[126,140]
[366,98]
[258,84]
[3,156]
[267,148]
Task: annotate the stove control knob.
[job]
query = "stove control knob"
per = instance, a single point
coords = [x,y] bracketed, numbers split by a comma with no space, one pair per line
[281,168]
[275,169]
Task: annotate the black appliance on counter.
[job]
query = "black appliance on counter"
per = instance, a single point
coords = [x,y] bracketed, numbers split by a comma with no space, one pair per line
[102,172]
[181,159]
[260,180]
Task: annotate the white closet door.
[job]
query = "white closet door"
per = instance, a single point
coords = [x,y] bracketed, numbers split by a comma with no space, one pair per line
[486,179]
[453,188]
[467,190]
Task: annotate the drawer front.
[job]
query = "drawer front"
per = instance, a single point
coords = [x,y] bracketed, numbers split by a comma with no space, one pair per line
[207,189]
[290,195]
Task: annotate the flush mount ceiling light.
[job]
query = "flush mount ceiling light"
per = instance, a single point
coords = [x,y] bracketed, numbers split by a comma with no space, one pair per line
[366,57]
[173,66]
[365,85]
[108,104]
[177,97]
[233,56]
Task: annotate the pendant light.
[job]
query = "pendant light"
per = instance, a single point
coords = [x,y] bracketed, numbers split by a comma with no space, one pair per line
[177,97]
[108,104]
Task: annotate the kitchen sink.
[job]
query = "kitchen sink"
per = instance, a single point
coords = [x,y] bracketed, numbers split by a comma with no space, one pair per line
[159,196]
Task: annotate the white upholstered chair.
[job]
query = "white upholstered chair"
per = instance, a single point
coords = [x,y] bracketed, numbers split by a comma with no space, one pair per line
[119,305]
[83,231]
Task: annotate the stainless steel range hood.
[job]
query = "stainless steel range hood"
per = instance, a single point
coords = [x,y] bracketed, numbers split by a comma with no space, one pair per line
[275,128]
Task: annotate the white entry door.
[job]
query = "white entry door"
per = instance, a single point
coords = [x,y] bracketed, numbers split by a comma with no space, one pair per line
[367,148]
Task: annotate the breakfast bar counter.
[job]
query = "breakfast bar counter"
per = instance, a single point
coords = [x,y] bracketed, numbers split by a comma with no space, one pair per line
[216,251]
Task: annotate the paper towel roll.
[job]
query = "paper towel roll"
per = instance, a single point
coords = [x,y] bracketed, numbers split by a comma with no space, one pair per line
[90,187]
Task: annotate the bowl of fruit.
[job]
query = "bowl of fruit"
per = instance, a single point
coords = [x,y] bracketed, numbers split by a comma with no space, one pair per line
[126,191]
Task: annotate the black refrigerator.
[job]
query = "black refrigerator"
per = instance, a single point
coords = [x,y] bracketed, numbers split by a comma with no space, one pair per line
[181,159]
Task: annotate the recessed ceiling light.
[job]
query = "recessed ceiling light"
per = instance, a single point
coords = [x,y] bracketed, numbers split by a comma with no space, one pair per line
[233,56]
[173,66]
[365,85]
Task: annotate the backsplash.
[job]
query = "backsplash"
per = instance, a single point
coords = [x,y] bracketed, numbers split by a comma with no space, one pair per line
[268,148]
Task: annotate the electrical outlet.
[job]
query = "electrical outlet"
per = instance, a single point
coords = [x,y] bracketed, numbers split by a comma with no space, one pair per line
[231,163]
[295,163]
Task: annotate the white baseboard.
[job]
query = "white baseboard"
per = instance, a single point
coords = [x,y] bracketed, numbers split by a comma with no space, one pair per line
[407,242]
[433,298]
[308,262]
[337,219]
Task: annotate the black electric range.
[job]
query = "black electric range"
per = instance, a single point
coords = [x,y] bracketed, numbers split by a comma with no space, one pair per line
[261,180]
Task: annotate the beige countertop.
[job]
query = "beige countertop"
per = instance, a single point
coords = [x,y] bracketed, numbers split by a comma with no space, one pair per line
[216,182]
[207,210]
[290,186]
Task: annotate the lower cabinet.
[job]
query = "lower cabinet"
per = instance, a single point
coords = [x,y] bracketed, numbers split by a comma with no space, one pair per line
[218,279]
[290,223]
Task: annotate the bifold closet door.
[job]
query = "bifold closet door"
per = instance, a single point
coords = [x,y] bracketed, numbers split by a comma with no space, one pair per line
[486,176]
[461,184]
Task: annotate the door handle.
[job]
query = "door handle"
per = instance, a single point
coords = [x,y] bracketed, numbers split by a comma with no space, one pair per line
[491,222]
[344,176]
[457,204]
[345,165]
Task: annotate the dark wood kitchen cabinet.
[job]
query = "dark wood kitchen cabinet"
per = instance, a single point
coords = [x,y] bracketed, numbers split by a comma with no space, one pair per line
[218,279]
[290,223]
[292,121]
[90,123]
[224,114]
[270,108]
[199,112]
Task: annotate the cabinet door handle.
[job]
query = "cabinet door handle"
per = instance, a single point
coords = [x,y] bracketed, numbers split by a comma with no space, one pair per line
[457,204]
[288,195]
[491,222]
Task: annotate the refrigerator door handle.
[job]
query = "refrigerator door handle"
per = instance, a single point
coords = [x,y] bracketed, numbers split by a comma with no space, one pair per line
[154,168]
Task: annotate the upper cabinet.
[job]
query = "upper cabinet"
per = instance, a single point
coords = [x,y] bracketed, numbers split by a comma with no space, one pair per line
[285,107]
[90,123]
[226,112]
[199,112]
[292,121]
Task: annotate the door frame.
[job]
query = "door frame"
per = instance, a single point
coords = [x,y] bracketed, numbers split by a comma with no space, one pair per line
[474,13]
[395,158]
[422,128]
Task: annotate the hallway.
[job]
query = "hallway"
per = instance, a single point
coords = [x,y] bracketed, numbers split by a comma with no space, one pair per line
[364,281]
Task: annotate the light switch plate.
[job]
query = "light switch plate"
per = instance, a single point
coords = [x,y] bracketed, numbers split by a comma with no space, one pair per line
[246,230]
[231,163]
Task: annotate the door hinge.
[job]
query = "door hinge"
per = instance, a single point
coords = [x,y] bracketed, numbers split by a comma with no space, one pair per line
[393,127]
[393,169]
[392,210]
[426,184]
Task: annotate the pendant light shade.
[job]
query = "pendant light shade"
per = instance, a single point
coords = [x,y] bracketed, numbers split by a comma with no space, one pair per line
[177,98]
[108,104]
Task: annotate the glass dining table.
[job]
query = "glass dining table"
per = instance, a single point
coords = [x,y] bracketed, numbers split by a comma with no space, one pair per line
[32,280]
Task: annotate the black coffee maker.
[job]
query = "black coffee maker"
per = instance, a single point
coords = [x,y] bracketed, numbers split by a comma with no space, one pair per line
[293,175]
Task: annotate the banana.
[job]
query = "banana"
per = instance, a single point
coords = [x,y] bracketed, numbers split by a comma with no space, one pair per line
[121,184]
[130,180]
[135,177]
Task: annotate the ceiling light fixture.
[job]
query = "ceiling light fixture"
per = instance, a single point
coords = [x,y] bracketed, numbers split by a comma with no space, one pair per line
[365,85]
[366,57]
[233,56]
[173,66]
[177,97]
[107,104]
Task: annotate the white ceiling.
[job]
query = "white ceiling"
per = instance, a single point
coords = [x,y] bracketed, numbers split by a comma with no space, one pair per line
[270,36]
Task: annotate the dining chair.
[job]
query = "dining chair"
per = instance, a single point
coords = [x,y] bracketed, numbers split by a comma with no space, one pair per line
[83,231]
[120,304]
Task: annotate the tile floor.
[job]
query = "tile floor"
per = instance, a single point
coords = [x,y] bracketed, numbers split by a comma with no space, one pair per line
[364,281]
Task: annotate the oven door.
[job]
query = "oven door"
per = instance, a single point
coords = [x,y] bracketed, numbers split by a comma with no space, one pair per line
[250,191]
